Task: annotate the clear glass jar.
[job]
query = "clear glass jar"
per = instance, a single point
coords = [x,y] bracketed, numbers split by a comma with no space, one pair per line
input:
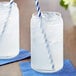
[43,60]
[9,39]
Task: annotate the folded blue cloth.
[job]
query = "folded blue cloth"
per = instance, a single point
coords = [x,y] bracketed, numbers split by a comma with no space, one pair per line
[68,70]
[22,55]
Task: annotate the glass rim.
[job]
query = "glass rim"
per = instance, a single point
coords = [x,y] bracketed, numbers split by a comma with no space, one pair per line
[35,14]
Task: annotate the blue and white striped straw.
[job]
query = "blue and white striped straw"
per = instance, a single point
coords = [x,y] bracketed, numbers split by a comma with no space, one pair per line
[43,32]
[38,7]
[7,18]
[11,1]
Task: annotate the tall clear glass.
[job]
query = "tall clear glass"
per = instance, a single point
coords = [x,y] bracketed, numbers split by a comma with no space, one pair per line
[9,30]
[44,59]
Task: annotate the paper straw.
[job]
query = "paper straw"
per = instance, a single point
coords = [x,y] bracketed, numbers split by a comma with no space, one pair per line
[11,1]
[43,32]
[7,18]
[47,46]
[38,7]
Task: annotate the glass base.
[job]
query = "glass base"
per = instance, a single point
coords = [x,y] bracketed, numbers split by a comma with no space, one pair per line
[9,57]
[46,71]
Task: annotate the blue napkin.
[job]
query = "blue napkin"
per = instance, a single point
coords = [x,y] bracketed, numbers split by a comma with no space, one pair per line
[68,70]
[22,55]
